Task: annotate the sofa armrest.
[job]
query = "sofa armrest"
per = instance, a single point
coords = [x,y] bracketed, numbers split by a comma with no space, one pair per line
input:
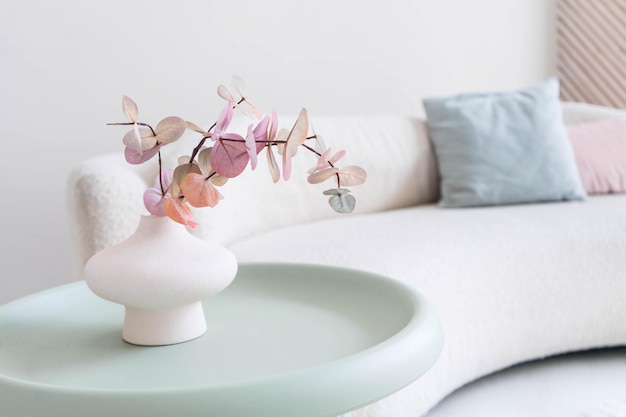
[575,113]
[104,205]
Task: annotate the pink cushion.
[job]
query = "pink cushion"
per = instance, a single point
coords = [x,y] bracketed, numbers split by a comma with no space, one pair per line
[600,149]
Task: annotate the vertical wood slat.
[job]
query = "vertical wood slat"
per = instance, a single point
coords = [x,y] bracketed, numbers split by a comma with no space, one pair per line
[591,51]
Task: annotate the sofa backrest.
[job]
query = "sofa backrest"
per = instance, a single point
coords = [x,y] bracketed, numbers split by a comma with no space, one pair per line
[105,193]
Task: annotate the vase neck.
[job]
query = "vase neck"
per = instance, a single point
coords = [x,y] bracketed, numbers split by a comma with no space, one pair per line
[157,225]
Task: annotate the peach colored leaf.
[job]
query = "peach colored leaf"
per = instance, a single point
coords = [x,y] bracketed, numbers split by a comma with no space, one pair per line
[170,129]
[229,157]
[323,175]
[199,191]
[272,164]
[130,109]
[180,173]
[177,210]
[296,137]
[352,175]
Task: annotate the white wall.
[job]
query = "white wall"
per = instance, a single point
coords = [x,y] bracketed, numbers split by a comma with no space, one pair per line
[64,66]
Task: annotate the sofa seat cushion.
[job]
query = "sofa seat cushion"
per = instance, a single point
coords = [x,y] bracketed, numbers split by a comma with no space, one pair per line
[491,274]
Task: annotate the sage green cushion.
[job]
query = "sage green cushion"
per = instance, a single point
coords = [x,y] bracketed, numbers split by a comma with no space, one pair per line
[503,147]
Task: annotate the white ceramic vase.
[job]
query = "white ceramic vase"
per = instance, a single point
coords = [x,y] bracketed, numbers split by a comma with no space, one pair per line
[161,274]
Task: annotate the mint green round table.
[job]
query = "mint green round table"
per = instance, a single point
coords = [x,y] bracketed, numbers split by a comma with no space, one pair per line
[283,340]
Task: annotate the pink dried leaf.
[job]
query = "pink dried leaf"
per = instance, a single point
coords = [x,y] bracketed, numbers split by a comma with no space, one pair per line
[323,175]
[170,129]
[320,145]
[167,176]
[139,139]
[239,85]
[296,137]
[281,138]
[261,133]
[135,158]
[352,175]
[256,139]
[223,92]
[298,132]
[324,162]
[196,128]
[223,120]
[337,156]
[251,147]
[130,109]
[273,165]
[246,106]
[153,200]
[229,157]
[273,128]
[249,109]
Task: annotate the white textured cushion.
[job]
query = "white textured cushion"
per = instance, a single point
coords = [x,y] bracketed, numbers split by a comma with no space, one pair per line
[510,283]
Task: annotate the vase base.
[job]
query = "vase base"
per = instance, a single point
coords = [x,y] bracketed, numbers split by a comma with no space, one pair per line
[152,327]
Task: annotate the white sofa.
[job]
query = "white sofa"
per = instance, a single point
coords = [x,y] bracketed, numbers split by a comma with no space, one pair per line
[510,283]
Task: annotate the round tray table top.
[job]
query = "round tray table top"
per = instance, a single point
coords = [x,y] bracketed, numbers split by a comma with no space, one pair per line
[283,340]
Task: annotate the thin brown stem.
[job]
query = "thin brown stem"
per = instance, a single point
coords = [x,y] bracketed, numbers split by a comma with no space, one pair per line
[329,163]
[131,123]
[161,173]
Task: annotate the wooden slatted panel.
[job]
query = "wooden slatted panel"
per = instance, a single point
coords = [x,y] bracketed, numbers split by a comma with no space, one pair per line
[591,47]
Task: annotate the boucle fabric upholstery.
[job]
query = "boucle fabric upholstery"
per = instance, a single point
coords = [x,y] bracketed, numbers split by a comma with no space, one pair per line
[510,283]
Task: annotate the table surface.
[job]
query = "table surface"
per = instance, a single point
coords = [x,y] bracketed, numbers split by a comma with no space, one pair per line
[282,340]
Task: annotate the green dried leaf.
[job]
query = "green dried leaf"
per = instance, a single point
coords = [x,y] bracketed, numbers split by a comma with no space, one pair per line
[336,191]
[342,203]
